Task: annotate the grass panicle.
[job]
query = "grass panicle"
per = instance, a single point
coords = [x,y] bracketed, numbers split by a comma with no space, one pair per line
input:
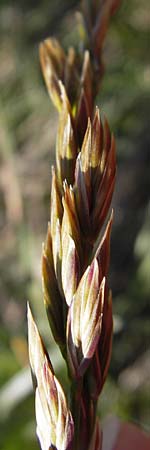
[75,259]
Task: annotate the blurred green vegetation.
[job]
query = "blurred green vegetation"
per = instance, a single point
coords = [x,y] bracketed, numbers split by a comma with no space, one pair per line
[27,139]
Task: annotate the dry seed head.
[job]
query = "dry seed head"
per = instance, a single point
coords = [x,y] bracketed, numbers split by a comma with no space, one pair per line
[85,158]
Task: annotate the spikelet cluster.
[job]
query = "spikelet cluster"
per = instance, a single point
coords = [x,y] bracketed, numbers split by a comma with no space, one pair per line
[75,259]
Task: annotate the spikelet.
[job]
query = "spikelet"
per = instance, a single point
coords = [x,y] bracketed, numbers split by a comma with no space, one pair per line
[55,427]
[75,260]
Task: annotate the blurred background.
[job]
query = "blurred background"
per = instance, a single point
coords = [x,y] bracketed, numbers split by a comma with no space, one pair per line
[28,128]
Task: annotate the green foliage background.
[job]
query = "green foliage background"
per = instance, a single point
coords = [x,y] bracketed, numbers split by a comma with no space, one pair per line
[27,140]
